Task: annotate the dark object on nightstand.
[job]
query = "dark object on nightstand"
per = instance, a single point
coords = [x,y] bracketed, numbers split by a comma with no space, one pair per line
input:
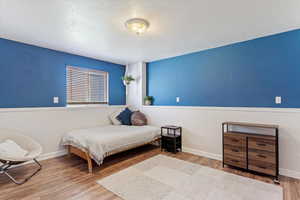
[171,138]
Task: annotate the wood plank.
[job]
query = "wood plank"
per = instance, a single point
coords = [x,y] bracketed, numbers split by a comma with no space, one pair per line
[66,178]
[235,151]
[235,139]
[235,161]
[262,167]
[261,144]
[264,156]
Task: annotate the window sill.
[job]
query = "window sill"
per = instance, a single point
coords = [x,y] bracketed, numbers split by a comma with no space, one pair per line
[86,105]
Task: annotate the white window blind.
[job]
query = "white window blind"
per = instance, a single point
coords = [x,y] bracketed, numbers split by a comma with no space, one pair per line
[86,86]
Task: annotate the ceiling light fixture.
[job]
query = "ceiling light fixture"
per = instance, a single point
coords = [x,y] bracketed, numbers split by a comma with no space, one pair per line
[137,25]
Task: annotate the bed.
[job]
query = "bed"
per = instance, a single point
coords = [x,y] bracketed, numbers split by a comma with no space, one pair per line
[99,142]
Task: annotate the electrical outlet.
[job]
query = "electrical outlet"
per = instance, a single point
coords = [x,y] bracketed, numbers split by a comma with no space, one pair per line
[55,100]
[278,100]
[177,99]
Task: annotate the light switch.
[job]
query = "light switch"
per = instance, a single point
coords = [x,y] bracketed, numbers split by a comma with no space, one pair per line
[278,100]
[55,100]
[177,99]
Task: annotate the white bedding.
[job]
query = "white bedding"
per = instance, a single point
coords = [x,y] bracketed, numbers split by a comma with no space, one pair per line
[99,141]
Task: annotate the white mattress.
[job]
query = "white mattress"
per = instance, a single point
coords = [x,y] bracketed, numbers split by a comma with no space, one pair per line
[99,141]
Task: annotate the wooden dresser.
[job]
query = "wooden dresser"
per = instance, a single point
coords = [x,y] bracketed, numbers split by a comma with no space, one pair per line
[251,151]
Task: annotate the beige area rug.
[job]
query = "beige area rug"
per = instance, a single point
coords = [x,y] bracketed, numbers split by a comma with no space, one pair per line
[165,178]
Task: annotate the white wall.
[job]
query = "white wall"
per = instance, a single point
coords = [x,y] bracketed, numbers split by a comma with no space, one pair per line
[136,91]
[201,125]
[47,125]
[202,133]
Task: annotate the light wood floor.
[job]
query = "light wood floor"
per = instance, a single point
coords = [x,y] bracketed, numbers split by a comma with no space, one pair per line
[67,178]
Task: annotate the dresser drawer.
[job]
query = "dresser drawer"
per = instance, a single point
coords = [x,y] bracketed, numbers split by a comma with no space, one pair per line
[235,161]
[234,140]
[235,151]
[261,144]
[263,167]
[263,156]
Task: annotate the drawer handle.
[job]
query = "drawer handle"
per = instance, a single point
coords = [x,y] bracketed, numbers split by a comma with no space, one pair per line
[234,150]
[262,156]
[261,167]
[261,144]
[236,161]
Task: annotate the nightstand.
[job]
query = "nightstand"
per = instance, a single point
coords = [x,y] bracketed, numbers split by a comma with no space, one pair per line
[171,138]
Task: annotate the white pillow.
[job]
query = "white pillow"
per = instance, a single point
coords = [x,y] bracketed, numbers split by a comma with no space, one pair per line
[11,149]
[113,117]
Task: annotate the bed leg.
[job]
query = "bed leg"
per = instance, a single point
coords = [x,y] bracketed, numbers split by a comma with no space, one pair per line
[90,163]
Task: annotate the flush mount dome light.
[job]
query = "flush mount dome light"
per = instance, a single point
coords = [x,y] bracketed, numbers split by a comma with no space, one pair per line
[137,25]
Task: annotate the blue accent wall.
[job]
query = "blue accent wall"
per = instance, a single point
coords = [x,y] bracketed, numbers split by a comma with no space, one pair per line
[31,76]
[245,74]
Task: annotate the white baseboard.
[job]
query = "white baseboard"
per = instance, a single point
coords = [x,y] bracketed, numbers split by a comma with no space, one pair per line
[284,172]
[50,155]
[202,153]
[46,156]
[289,173]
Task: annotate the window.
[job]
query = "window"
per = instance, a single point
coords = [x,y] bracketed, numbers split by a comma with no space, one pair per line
[86,86]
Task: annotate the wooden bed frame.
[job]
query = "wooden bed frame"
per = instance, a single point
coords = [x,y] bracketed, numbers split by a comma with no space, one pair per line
[83,155]
[86,156]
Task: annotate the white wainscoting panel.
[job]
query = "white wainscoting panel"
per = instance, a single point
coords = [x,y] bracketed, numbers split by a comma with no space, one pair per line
[202,133]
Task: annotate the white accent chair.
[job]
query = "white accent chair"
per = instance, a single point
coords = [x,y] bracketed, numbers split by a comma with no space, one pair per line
[34,150]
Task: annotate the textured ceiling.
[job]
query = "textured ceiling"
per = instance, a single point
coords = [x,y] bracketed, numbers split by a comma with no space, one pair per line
[95,28]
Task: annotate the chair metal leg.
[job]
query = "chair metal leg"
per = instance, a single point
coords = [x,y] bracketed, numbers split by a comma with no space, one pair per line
[5,168]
